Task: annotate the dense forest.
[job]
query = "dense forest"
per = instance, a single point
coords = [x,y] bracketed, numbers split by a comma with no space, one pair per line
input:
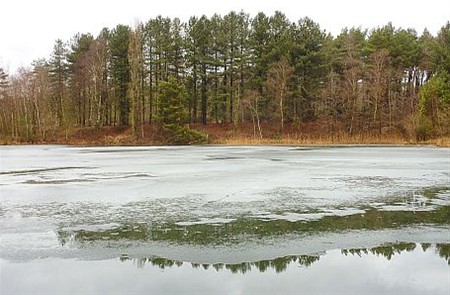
[164,78]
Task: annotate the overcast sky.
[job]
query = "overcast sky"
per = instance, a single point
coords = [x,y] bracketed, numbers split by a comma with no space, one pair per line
[28,28]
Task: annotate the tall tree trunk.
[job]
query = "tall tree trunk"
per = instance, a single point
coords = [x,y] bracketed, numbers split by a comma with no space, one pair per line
[203,95]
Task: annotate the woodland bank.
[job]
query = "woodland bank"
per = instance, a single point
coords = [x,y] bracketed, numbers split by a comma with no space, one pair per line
[227,134]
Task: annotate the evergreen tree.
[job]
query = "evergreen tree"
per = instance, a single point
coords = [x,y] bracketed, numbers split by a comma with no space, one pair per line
[173,114]
[441,51]
[308,57]
[135,88]
[59,75]
[120,72]
[198,52]
[260,48]
[79,76]
[234,69]
[3,82]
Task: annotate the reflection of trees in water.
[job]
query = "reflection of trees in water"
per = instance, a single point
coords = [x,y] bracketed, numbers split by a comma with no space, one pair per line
[278,264]
[245,228]
[125,232]
[444,251]
[390,250]
[387,250]
[425,246]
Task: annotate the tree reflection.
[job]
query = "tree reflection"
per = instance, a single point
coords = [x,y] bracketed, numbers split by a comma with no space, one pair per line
[390,250]
[279,264]
[125,232]
[244,228]
[356,251]
[425,246]
[444,251]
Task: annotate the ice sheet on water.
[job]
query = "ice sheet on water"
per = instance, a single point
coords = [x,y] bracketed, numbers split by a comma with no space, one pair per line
[90,189]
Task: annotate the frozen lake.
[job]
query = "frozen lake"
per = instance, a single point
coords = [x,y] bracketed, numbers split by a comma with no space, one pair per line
[227,220]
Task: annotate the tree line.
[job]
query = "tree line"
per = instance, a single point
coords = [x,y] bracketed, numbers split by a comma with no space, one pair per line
[232,69]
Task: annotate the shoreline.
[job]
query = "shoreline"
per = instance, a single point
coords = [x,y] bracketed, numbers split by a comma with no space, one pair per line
[433,143]
[226,135]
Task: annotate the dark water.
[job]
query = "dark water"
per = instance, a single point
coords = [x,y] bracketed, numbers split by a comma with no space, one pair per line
[225,220]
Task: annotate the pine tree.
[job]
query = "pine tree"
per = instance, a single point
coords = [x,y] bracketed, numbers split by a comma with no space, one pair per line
[3,82]
[120,72]
[173,114]
[79,76]
[59,75]
[136,89]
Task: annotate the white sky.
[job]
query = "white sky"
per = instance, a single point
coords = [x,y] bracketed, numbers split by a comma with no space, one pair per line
[28,28]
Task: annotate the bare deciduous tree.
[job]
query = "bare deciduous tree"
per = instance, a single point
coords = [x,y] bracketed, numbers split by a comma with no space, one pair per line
[278,80]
